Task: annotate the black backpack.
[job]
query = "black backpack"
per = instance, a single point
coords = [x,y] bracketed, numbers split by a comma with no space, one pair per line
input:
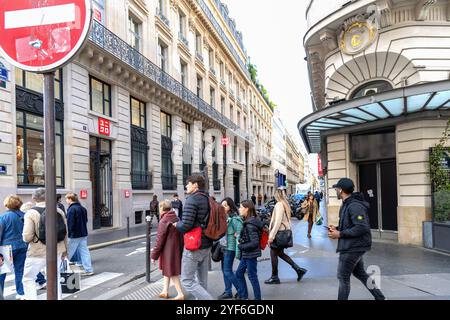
[60,226]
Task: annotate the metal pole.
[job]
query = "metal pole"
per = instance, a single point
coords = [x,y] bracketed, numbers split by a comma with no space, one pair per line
[149,220]
[50,185]
[128,227]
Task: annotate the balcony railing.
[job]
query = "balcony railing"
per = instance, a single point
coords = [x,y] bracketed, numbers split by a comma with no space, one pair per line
[141,181]
[199,56]
[183,39]
[169,182]
[216,184]
[108,41]
[222,82]
[164,19]
[212,71]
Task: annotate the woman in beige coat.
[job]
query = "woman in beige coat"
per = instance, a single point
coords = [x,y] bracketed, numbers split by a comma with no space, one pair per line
[281,220]
[311,212]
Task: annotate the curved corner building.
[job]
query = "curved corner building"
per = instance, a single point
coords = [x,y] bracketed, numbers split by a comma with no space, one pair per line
[379,75]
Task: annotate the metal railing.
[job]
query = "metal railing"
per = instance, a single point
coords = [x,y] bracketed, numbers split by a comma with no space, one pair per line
[183,39]
[216,184]
[199,56]
[169,182]
[141,181]
[110,42]
[164,19]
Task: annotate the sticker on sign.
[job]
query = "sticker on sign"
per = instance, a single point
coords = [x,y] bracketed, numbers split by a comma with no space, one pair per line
[41,36]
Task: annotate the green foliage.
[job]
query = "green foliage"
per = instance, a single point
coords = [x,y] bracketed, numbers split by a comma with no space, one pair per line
[254,76]
[440,178]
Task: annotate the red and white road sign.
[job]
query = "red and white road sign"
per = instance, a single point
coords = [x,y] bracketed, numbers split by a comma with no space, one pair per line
[40,36]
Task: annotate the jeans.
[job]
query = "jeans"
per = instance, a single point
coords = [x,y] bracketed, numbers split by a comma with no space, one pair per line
[229,277]
[196,263]
[19,256]
[33,266]
[251,266]
[76,258]
[80,245]
[352,263]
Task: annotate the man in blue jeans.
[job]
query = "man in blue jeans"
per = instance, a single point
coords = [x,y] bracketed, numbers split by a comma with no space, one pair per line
[78,233]
[354,237]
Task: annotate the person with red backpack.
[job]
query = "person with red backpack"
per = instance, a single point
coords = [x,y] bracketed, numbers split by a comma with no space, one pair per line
[193,225]
[234,227]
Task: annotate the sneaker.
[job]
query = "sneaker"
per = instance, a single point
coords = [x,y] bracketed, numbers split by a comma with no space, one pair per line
[87,274]
[272,280]
[20,297]
[225,296]
[41,286]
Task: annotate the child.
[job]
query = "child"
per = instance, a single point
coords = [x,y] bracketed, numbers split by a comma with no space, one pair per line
[250,250]
[169,250]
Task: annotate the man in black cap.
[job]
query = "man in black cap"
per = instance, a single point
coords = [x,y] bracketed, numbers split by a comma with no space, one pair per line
[354,239]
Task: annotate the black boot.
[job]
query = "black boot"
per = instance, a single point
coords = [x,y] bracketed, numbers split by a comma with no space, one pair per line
[273,280]
[300,272]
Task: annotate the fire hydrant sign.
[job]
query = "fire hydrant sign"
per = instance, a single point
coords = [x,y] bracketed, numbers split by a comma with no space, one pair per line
[41,36]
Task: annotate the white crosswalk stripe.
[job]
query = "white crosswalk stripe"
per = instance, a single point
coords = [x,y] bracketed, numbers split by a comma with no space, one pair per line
[86,283]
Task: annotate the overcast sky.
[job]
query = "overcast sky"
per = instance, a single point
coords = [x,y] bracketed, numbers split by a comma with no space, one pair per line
[273,36]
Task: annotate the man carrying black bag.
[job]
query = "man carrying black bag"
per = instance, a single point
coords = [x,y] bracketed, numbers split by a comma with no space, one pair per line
[354,239]
[280,237]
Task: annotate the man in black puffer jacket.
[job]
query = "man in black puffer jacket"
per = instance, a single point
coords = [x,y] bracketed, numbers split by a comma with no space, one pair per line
[195,214]
[354,239]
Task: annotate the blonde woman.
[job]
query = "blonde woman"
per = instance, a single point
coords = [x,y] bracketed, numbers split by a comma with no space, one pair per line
[281,220]
[169,250]
[312,211]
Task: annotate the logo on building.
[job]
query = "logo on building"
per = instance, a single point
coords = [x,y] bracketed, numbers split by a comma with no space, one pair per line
[358,34]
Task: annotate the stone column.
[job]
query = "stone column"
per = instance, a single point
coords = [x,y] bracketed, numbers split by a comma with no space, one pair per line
[155,147]
[177,152]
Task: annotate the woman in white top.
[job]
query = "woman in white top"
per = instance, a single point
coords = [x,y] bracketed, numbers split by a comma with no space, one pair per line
[281,220]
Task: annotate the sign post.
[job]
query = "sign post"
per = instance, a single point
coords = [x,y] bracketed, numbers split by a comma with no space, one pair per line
[42,36]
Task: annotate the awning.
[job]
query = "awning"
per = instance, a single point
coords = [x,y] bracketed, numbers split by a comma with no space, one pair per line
[390,107]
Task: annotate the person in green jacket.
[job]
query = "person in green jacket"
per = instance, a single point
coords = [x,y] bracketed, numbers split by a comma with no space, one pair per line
[231,251]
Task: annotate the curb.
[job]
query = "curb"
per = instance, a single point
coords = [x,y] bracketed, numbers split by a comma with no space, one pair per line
[119,241]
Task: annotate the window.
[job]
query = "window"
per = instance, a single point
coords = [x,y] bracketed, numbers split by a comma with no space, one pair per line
[35,81]
[231,113]
[371,88]
[212,97]
[138,113]
[100,96]
[222,71]
[187,151]
[199,87]
[245,123]
[198,43]
[222,105]
[134,29]
[161,7]
[239,119]
[211,59]
[162,55]
[99,10]
[184,74]
[166,125]
[30,150]
[140,178]
[182,21]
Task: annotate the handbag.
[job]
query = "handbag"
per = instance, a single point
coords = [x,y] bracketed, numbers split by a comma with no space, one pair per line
[70,281]
[319,221]
[283,238]
[6,259]
[193,239]
[217,252]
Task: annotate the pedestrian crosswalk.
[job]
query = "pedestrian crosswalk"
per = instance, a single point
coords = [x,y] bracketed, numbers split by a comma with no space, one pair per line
[86,283]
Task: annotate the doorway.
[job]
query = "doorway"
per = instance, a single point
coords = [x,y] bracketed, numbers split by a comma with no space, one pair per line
[378,184]
[236,187]
[101,178]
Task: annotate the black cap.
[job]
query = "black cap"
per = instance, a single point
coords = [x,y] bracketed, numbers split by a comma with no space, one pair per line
[345,184]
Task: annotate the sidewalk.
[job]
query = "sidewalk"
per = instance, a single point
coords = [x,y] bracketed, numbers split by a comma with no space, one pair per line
[406,272]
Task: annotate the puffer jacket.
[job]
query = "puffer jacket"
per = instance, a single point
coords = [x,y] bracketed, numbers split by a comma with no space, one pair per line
[250,237]
[195,213]
[235,225]
[354,226]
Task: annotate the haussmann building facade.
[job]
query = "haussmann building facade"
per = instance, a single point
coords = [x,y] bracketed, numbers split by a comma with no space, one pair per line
[160,90]
[379,74]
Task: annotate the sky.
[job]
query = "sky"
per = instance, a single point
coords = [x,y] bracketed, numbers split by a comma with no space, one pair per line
[273,37]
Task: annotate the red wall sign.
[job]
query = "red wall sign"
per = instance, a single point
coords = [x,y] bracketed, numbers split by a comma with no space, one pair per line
[319,166]
[41,36]
[104,127]
[127,194]
[225,141]
[83,194]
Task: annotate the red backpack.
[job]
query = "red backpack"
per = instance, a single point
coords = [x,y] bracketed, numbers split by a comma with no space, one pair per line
[217,220]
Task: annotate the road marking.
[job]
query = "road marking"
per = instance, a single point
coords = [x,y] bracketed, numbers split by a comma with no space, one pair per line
[137,251]
[40,16]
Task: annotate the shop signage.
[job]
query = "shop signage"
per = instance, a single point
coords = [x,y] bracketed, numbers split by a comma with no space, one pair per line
[83,194]
[225,141]
[319,166]
[358,34]
[104,127]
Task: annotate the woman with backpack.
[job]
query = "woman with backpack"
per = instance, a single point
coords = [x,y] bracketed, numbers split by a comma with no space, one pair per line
[169,250]
[231,251]
[249,246]
[281,222]
[11,226]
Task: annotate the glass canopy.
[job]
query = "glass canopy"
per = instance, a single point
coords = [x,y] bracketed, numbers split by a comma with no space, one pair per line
[394,104]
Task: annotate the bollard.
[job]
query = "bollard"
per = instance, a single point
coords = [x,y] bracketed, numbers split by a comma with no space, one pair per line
[149,220]
[128,227]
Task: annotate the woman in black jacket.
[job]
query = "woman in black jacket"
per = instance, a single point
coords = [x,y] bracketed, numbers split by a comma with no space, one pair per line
[250,250]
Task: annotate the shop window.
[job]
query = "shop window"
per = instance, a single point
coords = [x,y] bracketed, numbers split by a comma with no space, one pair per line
[35,81]
[100,96]
[140,177]
[371,88]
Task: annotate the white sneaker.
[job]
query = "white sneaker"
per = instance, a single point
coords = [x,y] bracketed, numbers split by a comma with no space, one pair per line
[20,297]
[87,274]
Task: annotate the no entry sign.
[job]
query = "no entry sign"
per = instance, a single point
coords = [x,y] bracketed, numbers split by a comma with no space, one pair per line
[42,35]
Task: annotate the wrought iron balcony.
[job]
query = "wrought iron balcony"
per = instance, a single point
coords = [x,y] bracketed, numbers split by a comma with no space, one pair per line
[114,45]
[164,19]
[183,39]
[169,182]
[222,82]
[199,56]
[212,71]
[141,180]
[216,184]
